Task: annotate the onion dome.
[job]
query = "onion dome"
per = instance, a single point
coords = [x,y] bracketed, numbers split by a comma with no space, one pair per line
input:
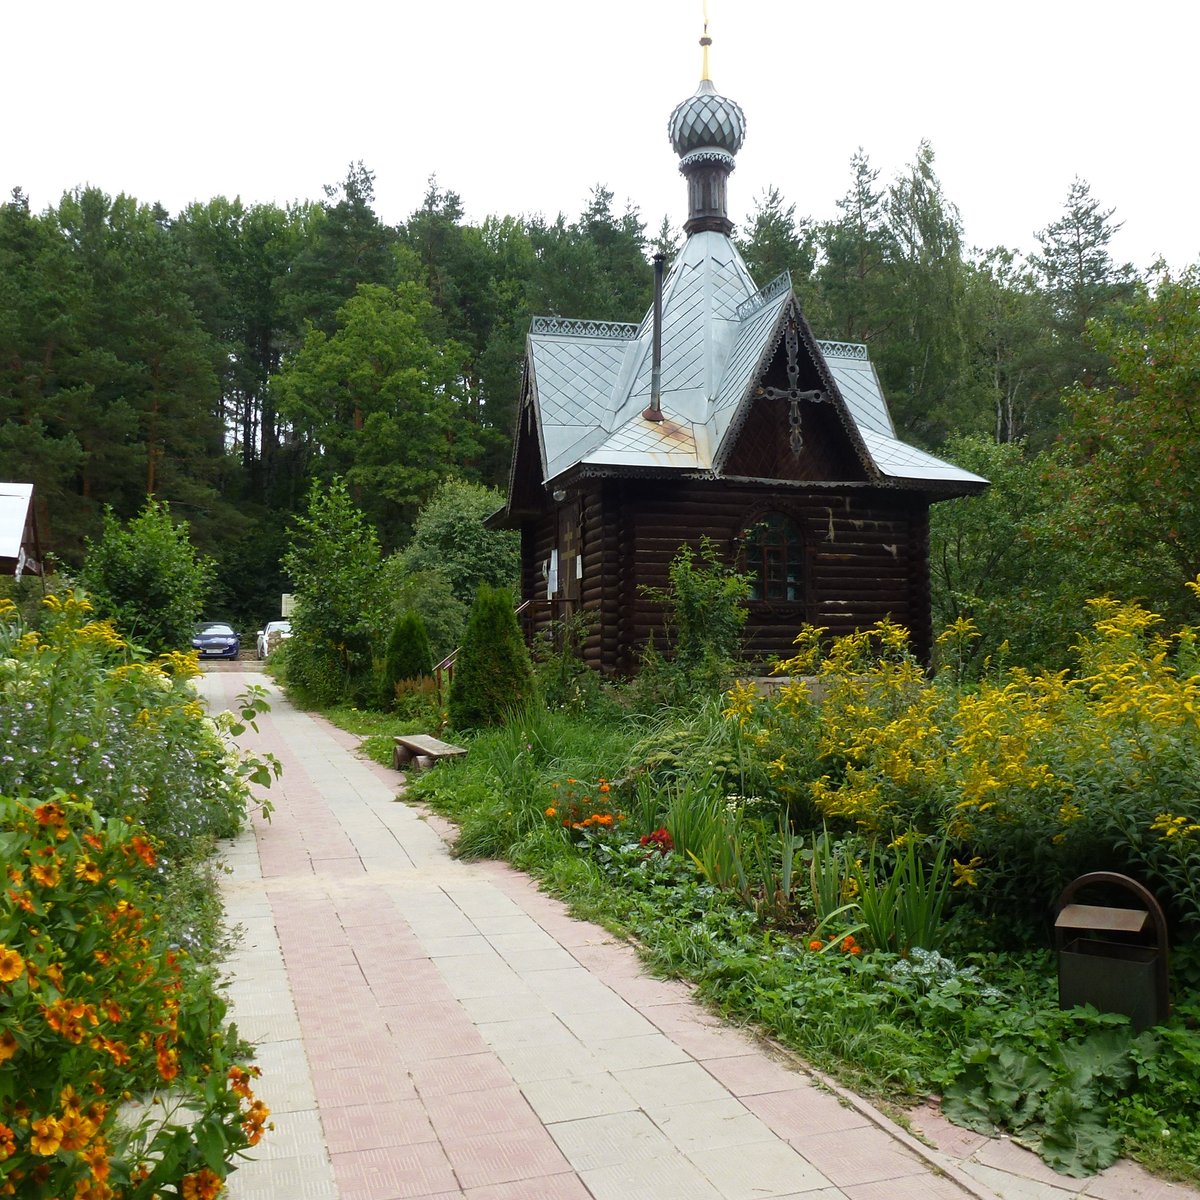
[707,125]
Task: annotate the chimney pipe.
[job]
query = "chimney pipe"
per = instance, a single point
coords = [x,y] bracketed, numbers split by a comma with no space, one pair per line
[654,412]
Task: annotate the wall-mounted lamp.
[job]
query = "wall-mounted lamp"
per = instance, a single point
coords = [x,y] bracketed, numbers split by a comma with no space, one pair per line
[559,497]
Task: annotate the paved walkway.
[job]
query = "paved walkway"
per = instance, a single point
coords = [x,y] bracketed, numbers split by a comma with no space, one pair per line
[429,1028]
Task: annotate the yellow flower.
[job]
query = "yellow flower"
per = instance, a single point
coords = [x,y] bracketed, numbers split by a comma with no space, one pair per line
[962,629]
[87,870]
[11,964]
[966,872]
[1167,826]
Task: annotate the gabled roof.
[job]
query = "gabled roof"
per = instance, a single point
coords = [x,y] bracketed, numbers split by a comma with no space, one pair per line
[589,381]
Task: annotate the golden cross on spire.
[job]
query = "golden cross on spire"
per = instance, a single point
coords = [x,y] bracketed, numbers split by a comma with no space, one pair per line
[705,42]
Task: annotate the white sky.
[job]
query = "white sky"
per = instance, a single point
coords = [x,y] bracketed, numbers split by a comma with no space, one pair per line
[521,107]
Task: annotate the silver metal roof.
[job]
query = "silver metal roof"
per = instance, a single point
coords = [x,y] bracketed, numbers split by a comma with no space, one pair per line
[590,380]
[15,499]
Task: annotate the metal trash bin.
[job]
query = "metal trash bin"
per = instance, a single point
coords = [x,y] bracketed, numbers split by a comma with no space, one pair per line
[1101,962]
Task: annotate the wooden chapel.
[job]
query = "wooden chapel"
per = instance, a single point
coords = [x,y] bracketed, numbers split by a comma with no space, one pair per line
[720,414]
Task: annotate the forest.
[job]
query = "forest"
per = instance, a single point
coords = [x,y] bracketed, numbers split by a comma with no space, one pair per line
[225,358]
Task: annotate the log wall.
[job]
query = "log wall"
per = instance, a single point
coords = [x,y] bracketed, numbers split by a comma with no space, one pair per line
[866,557]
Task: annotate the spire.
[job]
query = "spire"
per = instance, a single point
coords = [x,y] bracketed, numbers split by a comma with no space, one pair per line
[706,131]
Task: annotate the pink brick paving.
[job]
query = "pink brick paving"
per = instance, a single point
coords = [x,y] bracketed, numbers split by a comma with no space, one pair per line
[462,1036]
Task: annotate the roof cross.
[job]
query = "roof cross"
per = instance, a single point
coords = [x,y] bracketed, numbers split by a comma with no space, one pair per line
[793,393]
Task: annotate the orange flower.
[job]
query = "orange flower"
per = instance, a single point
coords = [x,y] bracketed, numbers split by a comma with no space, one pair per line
[118,1050]
[11,965]
[255,1121]
[49,814]
[167,1059]
[8,1142]
[46,1137]
[144,850]
[239,1081]
[96,1157]
[551,811]
[46,876]
[604,786]
[203,1185]
[815,944]
[8,1045]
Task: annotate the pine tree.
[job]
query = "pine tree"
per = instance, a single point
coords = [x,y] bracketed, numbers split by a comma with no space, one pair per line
[493,674]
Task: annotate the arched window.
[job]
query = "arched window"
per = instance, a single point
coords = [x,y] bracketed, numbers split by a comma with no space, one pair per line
[773,552]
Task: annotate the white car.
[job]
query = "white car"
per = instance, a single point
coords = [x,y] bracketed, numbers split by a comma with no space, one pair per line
[270,637]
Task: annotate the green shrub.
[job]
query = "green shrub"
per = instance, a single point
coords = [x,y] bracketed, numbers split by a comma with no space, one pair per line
[493,675]
[706,612]
[428,593]
[407,657]
[99,1009]
[334,565]
[563,679]
[451,538]
[79,709]
[1031,779]
[147,578]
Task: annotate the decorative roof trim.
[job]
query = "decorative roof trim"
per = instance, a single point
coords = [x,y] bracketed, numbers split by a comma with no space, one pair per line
[844,350]
[616,331]
[781,283]
[705,154]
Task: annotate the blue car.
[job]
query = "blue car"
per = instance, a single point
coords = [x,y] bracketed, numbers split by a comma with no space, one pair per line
[216,640]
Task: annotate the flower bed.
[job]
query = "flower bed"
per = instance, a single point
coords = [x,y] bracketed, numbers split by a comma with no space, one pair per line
[112,786]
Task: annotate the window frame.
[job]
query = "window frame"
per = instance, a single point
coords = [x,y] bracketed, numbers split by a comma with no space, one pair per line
[792,546]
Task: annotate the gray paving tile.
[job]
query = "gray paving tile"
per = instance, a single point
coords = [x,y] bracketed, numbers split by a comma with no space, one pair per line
[611,1139]
[671,1085]
[711,1124]
[573,1097]
[653,1179]
[758,1170]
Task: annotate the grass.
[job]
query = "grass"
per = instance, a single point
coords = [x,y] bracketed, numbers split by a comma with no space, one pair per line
[377,728]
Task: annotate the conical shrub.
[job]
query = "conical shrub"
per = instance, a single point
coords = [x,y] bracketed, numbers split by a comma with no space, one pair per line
[408,655]
[493,674]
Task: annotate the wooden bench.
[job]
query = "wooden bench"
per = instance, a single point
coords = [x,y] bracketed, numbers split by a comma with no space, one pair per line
[420,750]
